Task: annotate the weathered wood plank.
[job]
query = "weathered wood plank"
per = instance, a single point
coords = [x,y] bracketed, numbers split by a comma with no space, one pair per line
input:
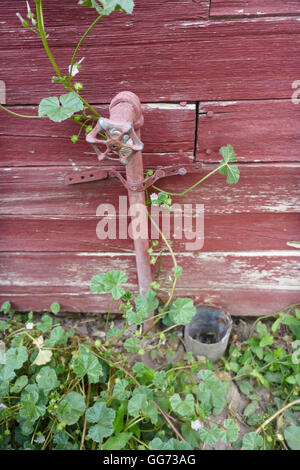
[184,62]
[168,128]
[231,232]
[243,283]
[65,23]
[233,8]
[258,130]
[263,188]
[67,14]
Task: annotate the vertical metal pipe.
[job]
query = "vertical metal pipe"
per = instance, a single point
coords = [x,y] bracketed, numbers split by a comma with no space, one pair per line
[126,107]
[135,174]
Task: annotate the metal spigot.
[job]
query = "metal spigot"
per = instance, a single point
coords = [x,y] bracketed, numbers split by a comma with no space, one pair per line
[121,138]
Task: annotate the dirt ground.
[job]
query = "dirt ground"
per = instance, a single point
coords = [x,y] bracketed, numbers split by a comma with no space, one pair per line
[94,327]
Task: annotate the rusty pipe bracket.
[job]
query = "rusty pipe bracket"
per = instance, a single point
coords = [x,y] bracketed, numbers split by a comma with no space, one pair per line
[161,172]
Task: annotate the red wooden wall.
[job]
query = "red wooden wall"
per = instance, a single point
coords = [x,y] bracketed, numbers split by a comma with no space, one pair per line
[238,59]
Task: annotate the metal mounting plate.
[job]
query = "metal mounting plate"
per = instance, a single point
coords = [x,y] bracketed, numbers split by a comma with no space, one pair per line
[161,172]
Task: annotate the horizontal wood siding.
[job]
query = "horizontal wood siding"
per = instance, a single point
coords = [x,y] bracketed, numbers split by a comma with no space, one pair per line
[268,279]
[260,131]
[180,62]
[208,73]
[233,8]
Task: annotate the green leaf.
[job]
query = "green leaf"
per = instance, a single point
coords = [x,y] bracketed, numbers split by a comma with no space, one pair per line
[45,324]
[112,281]
[145,304]
[182,407]
[212,392]
[230,171]
[30,409]
[6,375]
[5,307]
[15,357]
[266,340]
[96,283]
[227,153]
[231,431]
[120,391]
[104,418]
[142,372]
[55,308]
[119,419]
[261,329]
[160,380]
[171,444]
[252,441]
[46,379]
[293,324]
[177,270]
[276,325]
[61,440]
[117,442]
[108,6]
[109,282]
[113,332]
[71,408]
[190,435]
[132,345]
[182,311]
[142,401]
[292,437]
[87,364]
[19,384]
[58,336]
[250,408]
[210,436]
[57,111]
[205,374]
[260,378]
[3,325]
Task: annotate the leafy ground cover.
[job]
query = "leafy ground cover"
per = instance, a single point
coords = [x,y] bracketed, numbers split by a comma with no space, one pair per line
[80,383]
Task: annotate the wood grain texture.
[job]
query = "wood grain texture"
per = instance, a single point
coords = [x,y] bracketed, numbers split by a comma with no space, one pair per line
[71,17]
[168,128]
[183,62]
[258,130]
[262,188]
[244,283]
[231,232]
[233,8]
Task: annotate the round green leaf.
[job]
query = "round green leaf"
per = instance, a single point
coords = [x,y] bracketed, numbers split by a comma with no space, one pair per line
[55,308]
[88,364]
[57,111]
[71,408]
[46,379]
[104,418]
[182,311]
[117,442]
[15,357]
[292,437]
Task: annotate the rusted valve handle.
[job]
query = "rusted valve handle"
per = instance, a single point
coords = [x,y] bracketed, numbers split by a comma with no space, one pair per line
[121,140]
